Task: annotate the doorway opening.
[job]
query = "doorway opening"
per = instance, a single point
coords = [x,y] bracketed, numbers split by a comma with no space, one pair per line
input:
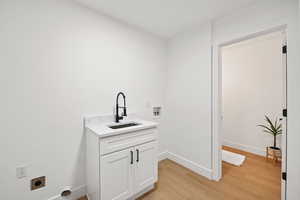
[252,97]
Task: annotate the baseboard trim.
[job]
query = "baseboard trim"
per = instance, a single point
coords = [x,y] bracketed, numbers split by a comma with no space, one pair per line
[162,156]
[77,192]
[147,189]
[80,191]
[247,148]
[203,171]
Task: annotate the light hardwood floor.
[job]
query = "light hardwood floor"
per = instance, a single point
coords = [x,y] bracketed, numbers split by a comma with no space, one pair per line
[256,179]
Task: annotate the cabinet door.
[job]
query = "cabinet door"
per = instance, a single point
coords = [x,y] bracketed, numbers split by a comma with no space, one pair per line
[145,166]
[116,170]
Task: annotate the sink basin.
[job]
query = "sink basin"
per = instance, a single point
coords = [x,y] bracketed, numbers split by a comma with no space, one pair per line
[118,126]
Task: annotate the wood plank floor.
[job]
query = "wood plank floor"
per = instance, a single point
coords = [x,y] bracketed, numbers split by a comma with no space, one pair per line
[256,179]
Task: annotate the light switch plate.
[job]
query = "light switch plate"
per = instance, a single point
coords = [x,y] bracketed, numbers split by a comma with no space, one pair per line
[21,172]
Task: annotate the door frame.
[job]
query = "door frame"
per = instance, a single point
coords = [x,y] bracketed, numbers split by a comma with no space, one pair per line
[217,100]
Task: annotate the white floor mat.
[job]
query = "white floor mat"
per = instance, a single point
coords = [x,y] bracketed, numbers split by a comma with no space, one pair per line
[233,158]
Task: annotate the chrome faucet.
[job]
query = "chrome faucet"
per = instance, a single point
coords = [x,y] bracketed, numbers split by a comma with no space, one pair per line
[117,117]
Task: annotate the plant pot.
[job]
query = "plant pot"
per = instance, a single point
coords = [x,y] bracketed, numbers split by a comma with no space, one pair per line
[274,148]
[273,153]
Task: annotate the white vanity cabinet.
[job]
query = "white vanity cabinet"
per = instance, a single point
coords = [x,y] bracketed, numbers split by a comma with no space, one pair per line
[122,166]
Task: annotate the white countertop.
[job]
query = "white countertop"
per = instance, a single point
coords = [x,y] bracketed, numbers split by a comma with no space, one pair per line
[99,125]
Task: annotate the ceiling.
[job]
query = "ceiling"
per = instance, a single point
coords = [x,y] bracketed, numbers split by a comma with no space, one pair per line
[164,17]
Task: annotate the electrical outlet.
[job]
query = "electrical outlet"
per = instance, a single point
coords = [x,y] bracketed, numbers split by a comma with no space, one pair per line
[21,172]
[38,182]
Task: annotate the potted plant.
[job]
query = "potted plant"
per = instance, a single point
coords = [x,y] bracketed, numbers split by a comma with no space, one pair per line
[274,129]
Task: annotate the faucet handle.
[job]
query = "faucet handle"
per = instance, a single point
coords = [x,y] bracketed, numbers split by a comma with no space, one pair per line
[124,112]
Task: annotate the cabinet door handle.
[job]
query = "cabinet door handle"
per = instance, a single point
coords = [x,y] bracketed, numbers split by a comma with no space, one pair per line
[131,162]
[137,155]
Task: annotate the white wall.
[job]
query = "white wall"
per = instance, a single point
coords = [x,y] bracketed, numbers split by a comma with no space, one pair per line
[187,125]
[60,61]
[187,117]
[252,82]
[260,17]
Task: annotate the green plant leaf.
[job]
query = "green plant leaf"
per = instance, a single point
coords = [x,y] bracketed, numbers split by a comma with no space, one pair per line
[272,128]
[267,128]
[279,127]
[268,132]
[270,123]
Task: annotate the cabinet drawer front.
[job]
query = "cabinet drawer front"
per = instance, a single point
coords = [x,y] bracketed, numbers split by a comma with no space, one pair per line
[119,142]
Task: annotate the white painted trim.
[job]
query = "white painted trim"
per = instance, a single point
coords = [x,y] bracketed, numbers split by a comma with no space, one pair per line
[162,156]
[217,96]
[247,148]
[147,189]
[80,191]
[77,192]
[203,171]
[217,113]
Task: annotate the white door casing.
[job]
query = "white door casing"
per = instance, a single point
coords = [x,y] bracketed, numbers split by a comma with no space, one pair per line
[217,104]
[284,118]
